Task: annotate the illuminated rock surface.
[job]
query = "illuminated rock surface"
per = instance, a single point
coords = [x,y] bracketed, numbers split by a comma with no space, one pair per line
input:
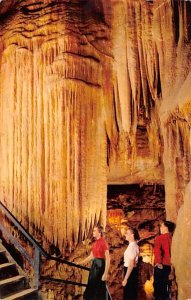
[94,92]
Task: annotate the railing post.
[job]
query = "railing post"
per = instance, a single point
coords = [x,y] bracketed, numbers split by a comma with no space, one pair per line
[36,268]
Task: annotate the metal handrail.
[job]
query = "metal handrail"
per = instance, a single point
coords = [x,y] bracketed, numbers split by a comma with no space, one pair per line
[58,280]
[38,249]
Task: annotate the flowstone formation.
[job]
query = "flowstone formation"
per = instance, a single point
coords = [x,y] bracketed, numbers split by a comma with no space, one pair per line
[93,93]
[55,79]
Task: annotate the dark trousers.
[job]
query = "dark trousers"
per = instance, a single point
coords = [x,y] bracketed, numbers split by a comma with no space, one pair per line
[131,288]
[96,288]
[161,283]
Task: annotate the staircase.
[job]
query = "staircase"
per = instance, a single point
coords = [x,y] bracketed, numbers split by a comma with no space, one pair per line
[13,281]
[13,284]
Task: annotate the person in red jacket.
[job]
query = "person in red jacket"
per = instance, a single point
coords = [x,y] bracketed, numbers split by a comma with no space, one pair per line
[96,286]
[162,260]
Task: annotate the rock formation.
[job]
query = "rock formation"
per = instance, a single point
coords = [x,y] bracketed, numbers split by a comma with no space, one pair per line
[93,92]
[53,136]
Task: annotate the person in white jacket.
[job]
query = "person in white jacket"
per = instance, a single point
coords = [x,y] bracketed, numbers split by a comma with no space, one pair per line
[131,254]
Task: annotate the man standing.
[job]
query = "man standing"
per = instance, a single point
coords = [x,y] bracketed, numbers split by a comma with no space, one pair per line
[162,253]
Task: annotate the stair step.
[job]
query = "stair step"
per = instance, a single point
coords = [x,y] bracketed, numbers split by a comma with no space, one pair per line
[2,251]
[3,257]
[20,294]
[11,280]
[5,265]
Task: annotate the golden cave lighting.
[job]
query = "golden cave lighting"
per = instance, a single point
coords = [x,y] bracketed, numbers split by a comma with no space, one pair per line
[146,252]
[114,217]
[149,289]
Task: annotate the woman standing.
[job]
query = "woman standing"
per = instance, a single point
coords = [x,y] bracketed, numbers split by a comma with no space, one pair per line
[131,254]
[96,287]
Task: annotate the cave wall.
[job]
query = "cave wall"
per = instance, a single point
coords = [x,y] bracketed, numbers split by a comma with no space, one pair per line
[93,92]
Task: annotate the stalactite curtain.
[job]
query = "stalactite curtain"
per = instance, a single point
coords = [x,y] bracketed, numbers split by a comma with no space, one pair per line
[54,86]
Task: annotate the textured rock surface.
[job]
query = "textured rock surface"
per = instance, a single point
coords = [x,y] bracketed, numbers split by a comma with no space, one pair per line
[93,92]
[182,247]
[52,117]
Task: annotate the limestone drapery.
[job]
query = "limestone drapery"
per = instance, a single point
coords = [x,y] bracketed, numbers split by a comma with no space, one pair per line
[87,85]
[53,138]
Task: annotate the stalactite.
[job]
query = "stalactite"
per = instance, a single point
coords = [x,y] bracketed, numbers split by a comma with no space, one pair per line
[136,86]
[122,86]
[55,90]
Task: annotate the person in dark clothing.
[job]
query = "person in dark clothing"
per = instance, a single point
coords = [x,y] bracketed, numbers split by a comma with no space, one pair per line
[162,260]
[96,287]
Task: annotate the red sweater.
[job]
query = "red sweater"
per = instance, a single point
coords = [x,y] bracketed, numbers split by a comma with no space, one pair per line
[162,249]
[99,248]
